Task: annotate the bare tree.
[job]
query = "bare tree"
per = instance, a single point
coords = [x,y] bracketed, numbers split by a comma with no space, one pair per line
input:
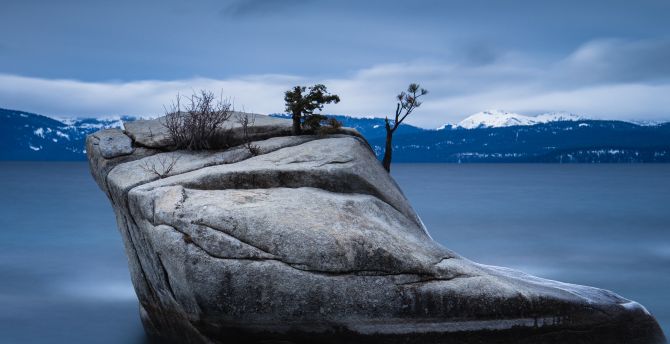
[246,121]
[161,166]
[407,102]
[194,124]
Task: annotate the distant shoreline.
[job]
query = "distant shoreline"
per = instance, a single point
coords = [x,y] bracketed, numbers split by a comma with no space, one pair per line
[31,137]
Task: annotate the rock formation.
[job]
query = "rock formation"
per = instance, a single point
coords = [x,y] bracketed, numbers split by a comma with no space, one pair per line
[310,240]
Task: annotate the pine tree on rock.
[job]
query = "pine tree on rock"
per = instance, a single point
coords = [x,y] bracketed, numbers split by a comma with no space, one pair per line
[302,105]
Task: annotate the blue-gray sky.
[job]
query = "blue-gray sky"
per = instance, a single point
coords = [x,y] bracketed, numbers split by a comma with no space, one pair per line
[600,58]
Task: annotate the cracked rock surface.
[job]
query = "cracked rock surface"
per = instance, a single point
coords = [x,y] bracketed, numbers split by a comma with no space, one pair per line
[310,240]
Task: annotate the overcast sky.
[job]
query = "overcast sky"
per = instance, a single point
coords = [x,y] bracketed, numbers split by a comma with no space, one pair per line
[599,58]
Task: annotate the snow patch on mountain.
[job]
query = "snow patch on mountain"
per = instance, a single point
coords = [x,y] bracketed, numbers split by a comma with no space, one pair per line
[62,134]
[647,123]
[447,125]
[500,118]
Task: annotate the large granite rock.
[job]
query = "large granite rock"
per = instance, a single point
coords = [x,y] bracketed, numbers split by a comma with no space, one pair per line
[312,241]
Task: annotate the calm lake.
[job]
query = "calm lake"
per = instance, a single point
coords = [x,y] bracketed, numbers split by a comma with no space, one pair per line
[64,279]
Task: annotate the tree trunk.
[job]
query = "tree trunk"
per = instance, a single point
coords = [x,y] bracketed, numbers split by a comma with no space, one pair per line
[388,151]
[296,124]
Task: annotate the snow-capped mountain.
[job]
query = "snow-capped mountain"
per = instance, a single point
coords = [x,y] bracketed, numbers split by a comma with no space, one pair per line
[500,118]
[29,136]
[556,137]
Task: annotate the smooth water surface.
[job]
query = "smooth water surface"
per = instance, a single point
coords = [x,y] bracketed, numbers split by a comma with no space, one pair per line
[63,272]
[606,225]
[64,279]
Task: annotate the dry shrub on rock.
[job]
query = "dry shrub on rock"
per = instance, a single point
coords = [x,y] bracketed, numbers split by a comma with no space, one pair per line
[246,121]
[193,122]
[160,166]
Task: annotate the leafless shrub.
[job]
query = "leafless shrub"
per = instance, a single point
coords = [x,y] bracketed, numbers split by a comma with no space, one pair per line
[160,166]
[193,125]
[246,121]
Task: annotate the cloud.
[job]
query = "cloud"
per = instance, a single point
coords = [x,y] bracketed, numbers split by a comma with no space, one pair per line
[249,8]
[616,60]
[68,98]
[603,79]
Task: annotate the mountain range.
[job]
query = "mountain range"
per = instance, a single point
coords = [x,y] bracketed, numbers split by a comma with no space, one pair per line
[500,118]
[490,136]
[29,136]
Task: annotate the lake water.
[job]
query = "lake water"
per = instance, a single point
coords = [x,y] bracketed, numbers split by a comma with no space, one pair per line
[64,279]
